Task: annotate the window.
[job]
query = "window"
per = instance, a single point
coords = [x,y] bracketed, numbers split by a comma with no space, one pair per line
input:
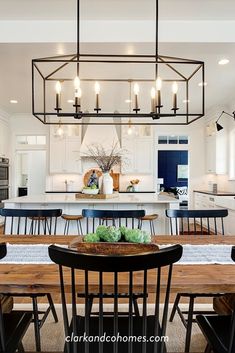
[31,140]
[173,140]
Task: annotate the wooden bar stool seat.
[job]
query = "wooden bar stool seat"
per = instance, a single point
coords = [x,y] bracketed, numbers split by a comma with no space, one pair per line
[151,218]
[72,218]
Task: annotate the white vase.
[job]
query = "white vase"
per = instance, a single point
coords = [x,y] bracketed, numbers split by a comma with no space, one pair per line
[107,184]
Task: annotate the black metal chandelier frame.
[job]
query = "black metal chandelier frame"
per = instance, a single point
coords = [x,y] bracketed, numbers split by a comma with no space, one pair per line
[63,60]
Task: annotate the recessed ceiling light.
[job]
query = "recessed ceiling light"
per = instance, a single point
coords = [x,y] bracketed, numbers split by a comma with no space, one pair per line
[202,84]
[128,101]
[186,101]
[70,101]
[223,62]
[13,101]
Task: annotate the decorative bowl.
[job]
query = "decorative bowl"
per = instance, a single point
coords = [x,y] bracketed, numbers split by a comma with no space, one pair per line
[90,191]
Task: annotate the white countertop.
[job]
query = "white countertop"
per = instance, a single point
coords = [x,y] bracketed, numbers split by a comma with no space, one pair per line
[70,198]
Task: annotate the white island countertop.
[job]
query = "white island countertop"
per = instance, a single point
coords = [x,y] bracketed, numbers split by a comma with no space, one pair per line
[70,199]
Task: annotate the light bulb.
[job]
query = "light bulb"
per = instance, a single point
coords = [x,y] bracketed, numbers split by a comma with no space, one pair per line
[174,88]
[60,131]
[78,92]
[158,84]
[76,83]
[136,89]
[58,87]
[153,93]
[129,131]
[97,88]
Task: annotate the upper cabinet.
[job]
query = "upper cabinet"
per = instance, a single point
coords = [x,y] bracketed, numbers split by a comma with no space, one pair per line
[65,150]
[216,150]
[4,139]
[138,155]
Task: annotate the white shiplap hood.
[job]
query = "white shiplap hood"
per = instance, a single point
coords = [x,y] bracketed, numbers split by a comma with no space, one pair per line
[106,135]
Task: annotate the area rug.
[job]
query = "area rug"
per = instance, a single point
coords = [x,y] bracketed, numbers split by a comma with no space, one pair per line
[52,334]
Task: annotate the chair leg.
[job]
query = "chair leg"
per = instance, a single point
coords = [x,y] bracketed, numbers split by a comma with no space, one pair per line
[208,349]
[176,303]
[21,348]
[136,308]
[189,324]
[36,322]
[65,227]
[153,228]
[80,225]
[52,307]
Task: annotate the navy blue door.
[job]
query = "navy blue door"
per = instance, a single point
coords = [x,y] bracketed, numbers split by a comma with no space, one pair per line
[168,162]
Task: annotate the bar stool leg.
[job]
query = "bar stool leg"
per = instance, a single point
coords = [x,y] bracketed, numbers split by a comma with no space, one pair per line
[153,227]
[80,224]
[65,227]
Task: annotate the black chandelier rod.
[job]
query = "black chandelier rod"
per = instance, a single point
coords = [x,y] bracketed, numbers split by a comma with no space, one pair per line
[78,36]
[156,38]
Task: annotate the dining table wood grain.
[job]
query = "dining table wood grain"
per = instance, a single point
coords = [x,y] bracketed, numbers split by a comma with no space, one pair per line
[44,278]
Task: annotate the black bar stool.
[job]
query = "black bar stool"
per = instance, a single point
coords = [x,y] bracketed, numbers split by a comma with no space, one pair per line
[72,218]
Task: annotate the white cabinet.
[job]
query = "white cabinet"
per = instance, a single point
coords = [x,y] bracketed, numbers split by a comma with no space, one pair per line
[4,139]
[211,154]
[65,153]
[138,157]
[216,153]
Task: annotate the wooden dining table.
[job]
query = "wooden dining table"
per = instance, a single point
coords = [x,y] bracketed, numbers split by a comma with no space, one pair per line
[43,278]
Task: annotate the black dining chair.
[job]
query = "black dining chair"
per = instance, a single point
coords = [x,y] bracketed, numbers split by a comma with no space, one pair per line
[33,222]
[30,222]
[117,218]
[219,330]
[13,324]
[144,269]
[127,218]
[194,222]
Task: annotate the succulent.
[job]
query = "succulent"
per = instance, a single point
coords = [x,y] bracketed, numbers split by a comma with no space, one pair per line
[91,238]
[137,236]
[109,234]
[123,230]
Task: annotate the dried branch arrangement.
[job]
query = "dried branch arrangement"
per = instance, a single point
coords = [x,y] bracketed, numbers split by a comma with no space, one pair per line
[105,160]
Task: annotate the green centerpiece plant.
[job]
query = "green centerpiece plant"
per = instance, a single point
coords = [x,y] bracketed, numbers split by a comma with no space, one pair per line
[118,234]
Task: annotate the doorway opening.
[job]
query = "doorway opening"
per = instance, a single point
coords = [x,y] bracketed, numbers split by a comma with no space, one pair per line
[30,172]
[173,174]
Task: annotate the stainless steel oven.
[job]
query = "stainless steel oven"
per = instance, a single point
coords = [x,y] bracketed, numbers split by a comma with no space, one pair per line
[4,193]
[4,172]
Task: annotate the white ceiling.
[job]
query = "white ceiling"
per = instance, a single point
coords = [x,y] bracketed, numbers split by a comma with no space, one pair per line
[15,59]
[117,9]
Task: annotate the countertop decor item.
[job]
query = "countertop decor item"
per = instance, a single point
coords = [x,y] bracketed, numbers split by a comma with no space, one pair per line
[133,187]
[90,191]
[98,196]
[164,76]
[106,160]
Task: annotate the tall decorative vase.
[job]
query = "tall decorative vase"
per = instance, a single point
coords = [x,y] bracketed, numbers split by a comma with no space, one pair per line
[107,184]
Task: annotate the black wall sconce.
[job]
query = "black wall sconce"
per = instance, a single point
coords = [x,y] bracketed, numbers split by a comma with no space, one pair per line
[220,127]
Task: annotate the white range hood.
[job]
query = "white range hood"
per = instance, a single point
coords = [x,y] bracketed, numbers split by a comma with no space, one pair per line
[105,135]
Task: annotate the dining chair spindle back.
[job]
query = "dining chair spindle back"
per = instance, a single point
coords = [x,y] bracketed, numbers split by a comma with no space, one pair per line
[13,324]
[193,222]
[219,330]
[128,218]
[33,222]
[196,221]
[30,222]
[135,268]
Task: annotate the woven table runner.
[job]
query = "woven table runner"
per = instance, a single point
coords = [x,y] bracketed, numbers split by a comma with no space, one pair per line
[192,254]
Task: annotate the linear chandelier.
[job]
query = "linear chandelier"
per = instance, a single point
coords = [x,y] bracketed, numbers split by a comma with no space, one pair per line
[166,90]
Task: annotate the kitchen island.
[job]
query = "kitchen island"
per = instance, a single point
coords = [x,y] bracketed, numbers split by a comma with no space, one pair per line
[151,203]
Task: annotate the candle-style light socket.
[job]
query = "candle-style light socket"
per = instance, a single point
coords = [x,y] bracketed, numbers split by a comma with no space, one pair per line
[175,108]
[136,108]
[97,107]
[58,102]
[159,100]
